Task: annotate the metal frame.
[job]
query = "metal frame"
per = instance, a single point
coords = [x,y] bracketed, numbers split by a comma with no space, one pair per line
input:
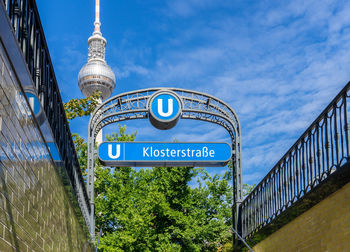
[196,106]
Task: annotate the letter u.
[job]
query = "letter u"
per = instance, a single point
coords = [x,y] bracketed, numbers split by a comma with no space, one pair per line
[161,109]
[110,154]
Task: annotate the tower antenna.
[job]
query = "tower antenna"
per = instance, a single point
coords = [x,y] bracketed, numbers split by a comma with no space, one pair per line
[97,17]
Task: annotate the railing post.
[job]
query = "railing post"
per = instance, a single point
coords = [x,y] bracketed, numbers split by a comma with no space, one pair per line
[346,126]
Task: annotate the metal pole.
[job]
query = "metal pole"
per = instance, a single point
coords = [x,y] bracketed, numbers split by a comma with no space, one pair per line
[237,183]
[241,238]
[90,180]
[99,237]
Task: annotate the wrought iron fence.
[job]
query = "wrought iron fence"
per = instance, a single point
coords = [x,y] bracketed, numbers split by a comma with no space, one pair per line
[28,30]
[321,150]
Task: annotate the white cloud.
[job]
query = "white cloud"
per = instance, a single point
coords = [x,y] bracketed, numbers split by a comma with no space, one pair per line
[187,8]
[129,69]
[278,76]
[278,64]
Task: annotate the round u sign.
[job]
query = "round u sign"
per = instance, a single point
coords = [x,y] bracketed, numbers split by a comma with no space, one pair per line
[164,109]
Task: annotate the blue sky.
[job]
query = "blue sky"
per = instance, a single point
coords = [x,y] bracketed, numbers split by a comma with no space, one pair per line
[276,63]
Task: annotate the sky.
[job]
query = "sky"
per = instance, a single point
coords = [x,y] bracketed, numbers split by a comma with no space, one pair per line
[278,64]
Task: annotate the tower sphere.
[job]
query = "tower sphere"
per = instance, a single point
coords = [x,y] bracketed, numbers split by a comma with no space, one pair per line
[96,75]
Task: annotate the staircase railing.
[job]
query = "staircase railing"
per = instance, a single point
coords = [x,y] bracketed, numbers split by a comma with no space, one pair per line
[27,28]
[321,150]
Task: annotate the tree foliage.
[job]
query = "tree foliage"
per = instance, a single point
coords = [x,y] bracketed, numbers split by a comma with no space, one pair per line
[247,189]
[157,209]
[81,150]
[81,107]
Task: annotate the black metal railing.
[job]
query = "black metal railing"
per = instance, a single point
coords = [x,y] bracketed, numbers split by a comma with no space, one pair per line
[28,30]
[320,151]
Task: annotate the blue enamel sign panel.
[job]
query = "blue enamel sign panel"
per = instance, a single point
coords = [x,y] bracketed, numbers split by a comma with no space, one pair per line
[148,154]
[165,109]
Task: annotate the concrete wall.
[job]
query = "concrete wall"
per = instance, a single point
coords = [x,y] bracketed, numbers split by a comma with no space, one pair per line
[35,211]
[324,227]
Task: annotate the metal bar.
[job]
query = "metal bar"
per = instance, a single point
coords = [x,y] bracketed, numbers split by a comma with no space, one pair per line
[99,237]
[327,145]
[346,126]
[336,136]
[340,132]
[241,238]
[309,161]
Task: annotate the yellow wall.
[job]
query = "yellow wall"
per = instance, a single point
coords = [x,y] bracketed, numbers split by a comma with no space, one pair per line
[324,227]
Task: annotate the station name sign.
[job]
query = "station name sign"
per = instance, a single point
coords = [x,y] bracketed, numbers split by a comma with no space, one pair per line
[147,154]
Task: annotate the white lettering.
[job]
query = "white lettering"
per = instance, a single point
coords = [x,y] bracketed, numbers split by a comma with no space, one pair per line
[150,152]
[110,151]
[145,151]
[156,153]
[205,151]
[161,109]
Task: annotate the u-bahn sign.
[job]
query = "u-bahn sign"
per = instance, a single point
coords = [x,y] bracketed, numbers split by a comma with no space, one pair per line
[164,154]
[164,109]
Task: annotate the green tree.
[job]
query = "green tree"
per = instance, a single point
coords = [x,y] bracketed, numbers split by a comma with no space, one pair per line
[81,107]
[247,189]
[81,150]
[157,210]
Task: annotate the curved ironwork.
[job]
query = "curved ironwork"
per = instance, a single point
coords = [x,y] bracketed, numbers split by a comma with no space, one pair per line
[196,106]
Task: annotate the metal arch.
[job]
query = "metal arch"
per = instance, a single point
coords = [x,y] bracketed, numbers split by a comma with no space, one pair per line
[196,106]
[191,100]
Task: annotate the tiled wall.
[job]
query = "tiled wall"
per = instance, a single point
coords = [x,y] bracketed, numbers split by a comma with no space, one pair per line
[324,227]
[35,212]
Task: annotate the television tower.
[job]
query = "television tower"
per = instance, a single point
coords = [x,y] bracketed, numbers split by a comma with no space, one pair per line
[96,75]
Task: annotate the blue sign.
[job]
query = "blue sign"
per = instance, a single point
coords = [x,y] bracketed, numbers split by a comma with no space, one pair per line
[54,151]
[164,154]
[165,109]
